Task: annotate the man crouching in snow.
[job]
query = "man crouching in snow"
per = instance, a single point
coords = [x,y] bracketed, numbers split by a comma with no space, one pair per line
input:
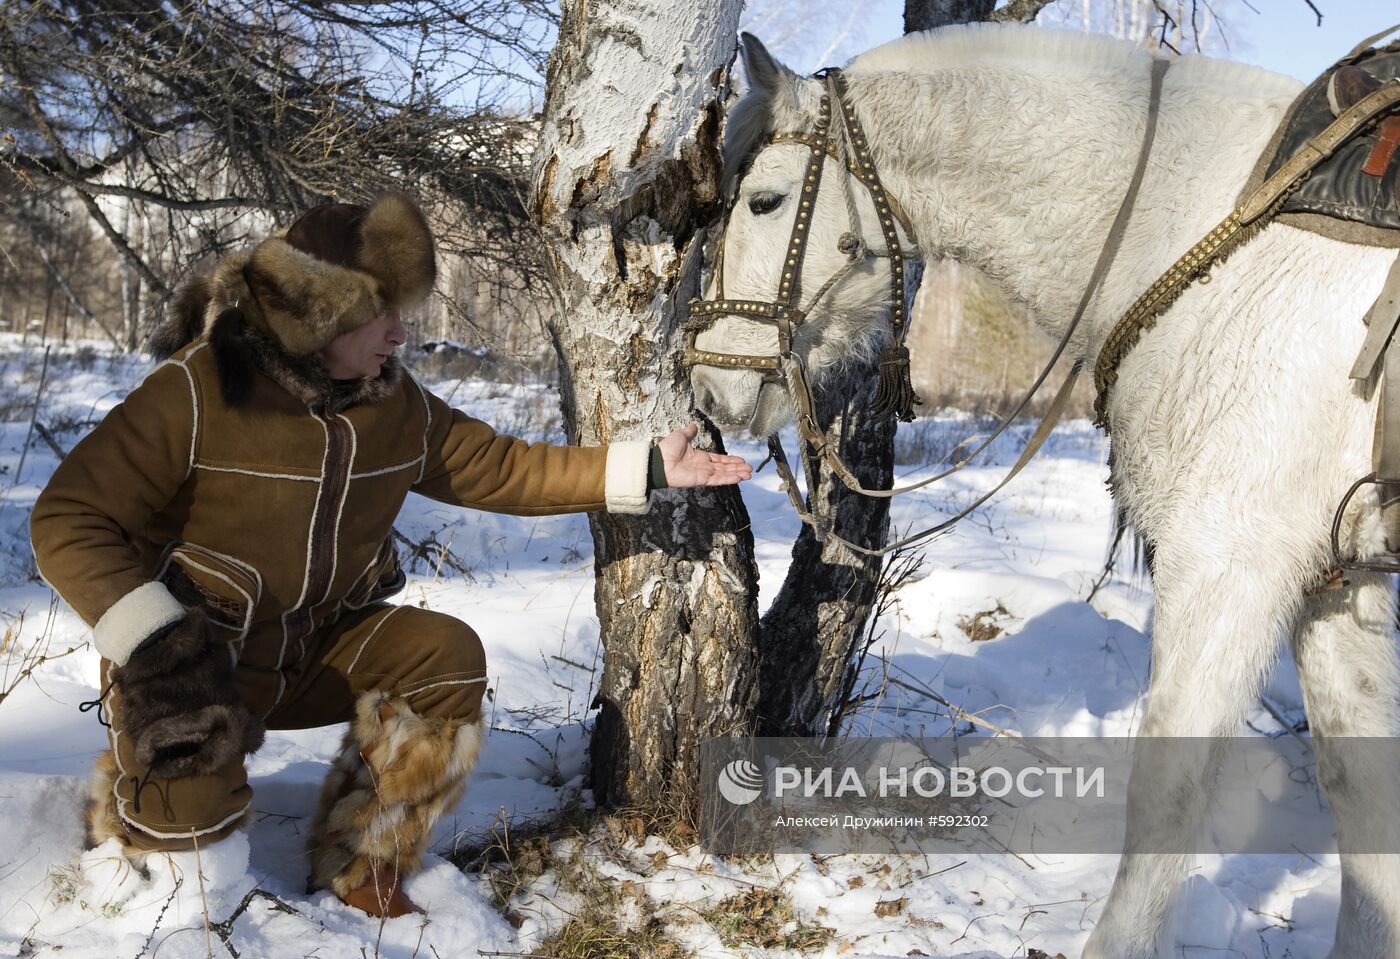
[226,531]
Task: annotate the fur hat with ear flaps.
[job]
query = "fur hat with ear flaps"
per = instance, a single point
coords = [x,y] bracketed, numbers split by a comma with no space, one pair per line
[274,307]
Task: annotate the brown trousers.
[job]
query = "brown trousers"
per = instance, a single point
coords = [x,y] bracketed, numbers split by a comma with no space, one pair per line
[433,661]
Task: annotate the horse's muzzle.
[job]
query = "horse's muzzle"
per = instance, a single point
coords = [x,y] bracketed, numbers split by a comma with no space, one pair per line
[730,398]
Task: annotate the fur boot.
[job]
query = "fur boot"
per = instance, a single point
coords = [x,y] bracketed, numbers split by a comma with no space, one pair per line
[396,774]
[102,822]
[100,815]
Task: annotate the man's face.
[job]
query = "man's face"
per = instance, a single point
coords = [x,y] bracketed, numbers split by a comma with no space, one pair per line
[361,352]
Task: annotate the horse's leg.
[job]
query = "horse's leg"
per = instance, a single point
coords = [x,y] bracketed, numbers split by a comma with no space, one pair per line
[1236,432]
[1222,611]
[1345,650]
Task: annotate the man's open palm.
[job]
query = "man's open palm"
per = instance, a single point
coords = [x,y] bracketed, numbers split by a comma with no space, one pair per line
[688,466]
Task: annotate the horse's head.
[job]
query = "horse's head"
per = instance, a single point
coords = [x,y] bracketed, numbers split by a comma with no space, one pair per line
[835,324]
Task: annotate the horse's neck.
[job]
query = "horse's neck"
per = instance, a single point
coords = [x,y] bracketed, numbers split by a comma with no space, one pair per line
[1020,172]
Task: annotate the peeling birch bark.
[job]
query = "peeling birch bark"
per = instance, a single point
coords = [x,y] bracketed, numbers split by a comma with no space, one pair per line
[625,175]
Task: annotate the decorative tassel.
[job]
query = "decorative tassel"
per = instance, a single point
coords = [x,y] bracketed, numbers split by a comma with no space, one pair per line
[896,392]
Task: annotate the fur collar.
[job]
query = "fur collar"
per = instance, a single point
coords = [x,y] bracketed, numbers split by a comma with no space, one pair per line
[307,378]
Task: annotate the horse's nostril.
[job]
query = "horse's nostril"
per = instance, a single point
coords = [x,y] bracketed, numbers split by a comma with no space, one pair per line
[702,396]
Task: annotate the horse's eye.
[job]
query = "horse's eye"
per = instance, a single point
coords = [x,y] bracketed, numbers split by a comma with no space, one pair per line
[766,202]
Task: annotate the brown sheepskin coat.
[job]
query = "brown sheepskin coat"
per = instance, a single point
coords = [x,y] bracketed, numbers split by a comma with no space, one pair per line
[277,513]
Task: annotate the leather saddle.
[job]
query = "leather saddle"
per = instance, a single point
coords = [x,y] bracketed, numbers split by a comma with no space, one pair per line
[1360,183]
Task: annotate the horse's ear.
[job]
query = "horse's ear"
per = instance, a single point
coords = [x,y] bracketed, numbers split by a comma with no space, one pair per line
[765,74]
[770,104]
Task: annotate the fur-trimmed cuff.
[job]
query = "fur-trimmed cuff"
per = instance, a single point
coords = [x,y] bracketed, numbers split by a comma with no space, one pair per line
[132,618]
[625,478]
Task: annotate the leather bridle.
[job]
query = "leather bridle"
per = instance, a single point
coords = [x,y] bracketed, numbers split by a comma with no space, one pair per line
[894,397]
[785,312]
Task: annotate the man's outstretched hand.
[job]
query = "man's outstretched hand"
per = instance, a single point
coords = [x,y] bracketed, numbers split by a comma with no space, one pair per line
[688,466]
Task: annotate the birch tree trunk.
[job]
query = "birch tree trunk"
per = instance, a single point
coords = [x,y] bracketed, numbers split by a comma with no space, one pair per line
[625,175]
[809,632]
[928,14]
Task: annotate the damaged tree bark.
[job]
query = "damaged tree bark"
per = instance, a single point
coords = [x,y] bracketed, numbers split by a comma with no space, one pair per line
[625,175]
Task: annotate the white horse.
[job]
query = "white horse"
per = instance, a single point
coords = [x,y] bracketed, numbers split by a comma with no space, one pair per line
[1235,428]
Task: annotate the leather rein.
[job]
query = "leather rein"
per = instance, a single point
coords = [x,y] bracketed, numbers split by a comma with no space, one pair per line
[850,146]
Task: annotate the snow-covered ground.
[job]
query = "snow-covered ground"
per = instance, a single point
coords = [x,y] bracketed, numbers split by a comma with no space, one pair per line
[1060,667]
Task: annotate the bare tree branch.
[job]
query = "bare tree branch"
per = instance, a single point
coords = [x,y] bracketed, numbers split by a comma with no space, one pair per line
[231,117]
[45,128]
[1020,11]
[67,288]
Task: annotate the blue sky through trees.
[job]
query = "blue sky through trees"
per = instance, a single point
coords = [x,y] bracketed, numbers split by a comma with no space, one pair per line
[1279,35]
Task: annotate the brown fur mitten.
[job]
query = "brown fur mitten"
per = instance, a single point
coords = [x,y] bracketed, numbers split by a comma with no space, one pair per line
[179,702]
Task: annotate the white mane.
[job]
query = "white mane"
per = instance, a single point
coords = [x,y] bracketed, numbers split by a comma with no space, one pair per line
[1016,46]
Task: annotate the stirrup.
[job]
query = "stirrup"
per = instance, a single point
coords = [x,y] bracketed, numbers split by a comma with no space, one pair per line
[1391,562]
